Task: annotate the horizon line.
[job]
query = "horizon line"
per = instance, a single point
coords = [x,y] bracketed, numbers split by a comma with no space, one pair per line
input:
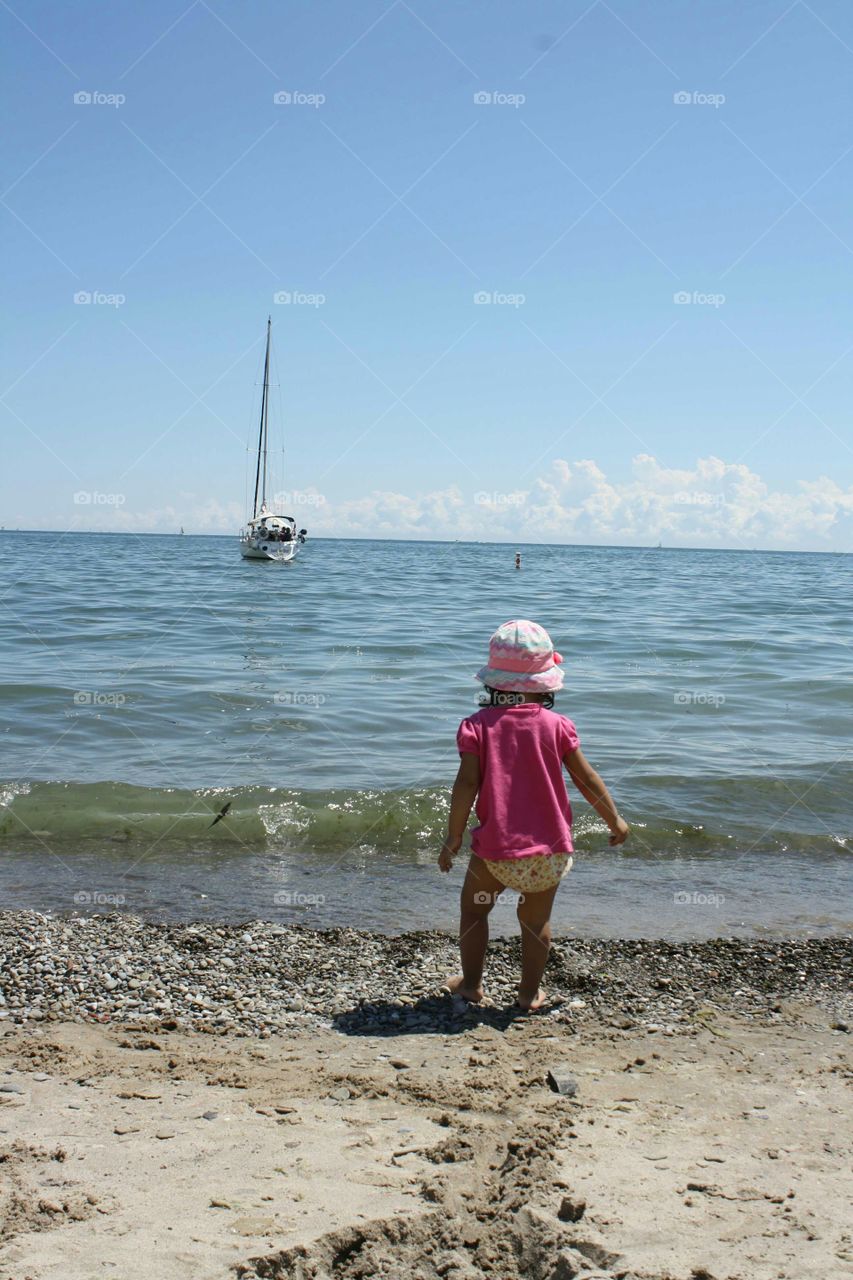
[465,542]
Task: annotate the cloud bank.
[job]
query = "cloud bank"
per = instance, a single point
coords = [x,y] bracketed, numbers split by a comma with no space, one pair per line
[714,504]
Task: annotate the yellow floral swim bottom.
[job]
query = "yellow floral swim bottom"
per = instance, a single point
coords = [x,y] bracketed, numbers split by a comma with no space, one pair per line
[531,875]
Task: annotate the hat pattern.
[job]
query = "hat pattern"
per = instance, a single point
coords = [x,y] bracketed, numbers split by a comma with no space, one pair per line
[522,659]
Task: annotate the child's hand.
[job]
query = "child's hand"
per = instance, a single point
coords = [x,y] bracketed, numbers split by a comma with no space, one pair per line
[620,831]
[450,847]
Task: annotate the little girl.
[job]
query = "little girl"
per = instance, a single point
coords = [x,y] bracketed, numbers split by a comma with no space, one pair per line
[512,754]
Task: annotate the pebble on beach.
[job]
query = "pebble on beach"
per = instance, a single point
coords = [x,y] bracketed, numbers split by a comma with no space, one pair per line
[266,978]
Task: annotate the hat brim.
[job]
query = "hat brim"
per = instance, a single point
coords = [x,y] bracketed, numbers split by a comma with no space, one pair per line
[522,682]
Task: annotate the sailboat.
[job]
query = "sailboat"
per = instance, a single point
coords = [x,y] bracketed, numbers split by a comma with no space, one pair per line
[268,535]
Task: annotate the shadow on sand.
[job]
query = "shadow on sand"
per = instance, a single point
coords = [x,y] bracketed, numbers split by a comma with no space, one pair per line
[431,1015]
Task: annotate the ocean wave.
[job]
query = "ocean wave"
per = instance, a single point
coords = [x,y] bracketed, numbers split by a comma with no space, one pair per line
[63,815]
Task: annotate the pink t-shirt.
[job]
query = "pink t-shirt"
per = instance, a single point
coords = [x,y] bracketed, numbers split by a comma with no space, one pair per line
[523,805]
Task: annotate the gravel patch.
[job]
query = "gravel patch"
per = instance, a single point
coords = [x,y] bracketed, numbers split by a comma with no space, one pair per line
[260,978]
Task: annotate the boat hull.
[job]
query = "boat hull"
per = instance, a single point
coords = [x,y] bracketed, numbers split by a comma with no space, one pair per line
[282,553]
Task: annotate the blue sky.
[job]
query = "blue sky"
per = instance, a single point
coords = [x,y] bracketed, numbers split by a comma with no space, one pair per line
[576,404]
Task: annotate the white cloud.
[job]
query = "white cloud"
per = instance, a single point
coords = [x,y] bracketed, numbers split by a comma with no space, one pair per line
[119,516]
[714,504]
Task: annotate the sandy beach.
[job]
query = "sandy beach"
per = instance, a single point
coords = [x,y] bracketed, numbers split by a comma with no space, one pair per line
[403,1135]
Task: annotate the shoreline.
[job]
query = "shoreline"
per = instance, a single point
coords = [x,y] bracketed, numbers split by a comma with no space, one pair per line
[260,978]
[681,899]
[412,1135]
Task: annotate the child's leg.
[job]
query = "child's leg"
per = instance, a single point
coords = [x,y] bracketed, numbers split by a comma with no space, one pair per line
[479,892]
[534,916]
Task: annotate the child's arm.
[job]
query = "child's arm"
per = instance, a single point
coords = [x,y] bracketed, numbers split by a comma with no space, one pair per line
[465,790]
[591,786]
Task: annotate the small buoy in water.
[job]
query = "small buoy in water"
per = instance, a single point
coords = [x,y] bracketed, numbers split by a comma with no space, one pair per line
[518,559]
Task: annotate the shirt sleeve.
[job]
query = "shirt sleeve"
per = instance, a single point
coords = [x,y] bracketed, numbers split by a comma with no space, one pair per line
[569,738]
[467,738]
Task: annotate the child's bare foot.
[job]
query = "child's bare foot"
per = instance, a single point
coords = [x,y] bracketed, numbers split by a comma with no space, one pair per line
[456,986]
[531,1003]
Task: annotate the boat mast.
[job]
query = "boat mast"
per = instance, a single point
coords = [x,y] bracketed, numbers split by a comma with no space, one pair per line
[262,433]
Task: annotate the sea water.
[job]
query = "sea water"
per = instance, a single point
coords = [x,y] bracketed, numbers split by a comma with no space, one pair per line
[149,681]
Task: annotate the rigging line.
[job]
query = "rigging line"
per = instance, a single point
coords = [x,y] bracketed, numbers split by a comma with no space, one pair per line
[276,383]
[249,451]
[262,436]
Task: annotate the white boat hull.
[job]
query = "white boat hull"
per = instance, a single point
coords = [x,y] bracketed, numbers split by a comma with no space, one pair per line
[257,549]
